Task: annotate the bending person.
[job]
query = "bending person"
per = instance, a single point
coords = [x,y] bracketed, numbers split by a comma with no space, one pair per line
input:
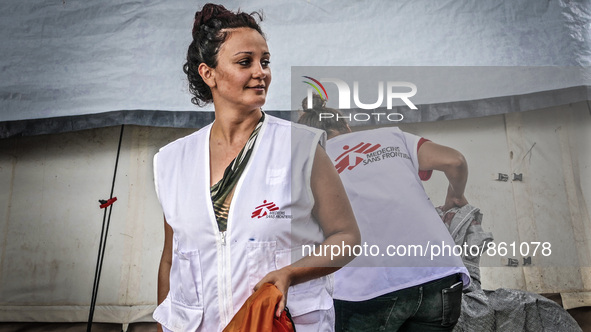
[406,278]
[242,195]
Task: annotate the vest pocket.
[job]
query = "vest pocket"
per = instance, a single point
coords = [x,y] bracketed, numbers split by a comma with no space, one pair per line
[178,318]
[260,260]
[310,303]
[185,279]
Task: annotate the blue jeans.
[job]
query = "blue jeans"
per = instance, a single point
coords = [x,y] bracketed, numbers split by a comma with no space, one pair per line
[432,306]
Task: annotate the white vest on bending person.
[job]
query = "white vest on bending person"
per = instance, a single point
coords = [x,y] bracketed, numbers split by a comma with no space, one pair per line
[400,229]
[213,273]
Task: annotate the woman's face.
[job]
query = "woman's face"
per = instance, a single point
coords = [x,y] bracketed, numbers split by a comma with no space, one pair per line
[243,75]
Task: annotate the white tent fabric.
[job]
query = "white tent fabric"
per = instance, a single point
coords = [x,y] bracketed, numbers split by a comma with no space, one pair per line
[65,58]
[69,65]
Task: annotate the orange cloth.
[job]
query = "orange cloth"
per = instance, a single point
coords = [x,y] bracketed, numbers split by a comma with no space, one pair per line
[257,314]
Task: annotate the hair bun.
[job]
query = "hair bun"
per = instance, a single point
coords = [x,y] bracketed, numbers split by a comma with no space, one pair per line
[207,13]
[318,104]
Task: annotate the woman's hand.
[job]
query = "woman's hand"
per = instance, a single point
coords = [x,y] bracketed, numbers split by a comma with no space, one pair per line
[282,280]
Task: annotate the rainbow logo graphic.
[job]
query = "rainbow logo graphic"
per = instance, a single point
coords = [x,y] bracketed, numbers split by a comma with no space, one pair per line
[325,97]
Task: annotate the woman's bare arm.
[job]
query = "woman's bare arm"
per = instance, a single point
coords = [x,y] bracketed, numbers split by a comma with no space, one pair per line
[164,268]
[335,215]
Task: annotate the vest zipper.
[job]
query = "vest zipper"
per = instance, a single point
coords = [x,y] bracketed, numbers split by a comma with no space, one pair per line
[224,291]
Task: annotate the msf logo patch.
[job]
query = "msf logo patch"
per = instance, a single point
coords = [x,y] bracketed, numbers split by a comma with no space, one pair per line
[269,210]
[264,209]
[354,156]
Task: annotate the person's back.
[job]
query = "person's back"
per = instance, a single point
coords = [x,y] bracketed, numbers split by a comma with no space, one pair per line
[401,231]
[406,276]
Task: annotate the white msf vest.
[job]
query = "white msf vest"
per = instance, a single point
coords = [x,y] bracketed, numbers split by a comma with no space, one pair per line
[213,273]
[398,223]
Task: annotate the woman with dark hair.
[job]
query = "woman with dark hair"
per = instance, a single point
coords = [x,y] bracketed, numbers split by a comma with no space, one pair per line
[382,171]
[244,195]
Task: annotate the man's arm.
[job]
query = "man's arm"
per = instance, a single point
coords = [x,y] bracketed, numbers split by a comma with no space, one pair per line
[433,156]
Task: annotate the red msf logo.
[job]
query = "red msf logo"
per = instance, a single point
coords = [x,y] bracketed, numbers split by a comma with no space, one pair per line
[263,210]
[353,156]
